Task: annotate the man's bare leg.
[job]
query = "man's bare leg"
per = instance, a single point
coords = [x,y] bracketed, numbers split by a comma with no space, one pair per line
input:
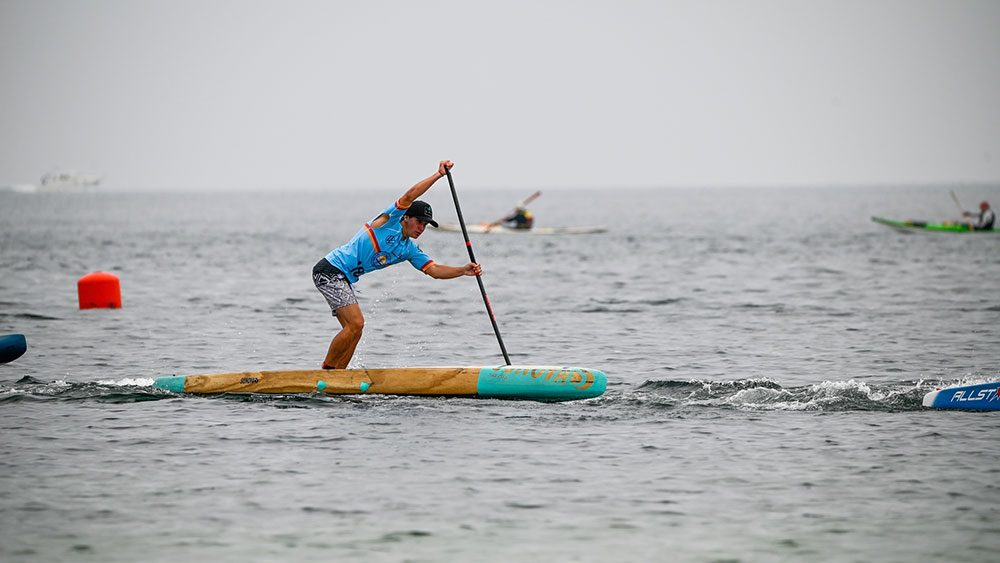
[344,343]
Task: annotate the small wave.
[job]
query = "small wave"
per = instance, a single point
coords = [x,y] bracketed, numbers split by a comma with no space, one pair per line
[703,388]
[610,310]
[774,307]
[129,382]
[661,302]
[767,395]
[127,390]
[616,305]
[30,317]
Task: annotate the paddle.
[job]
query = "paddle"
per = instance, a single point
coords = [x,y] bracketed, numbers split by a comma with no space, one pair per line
[524,202]
[961,210]
[472,257]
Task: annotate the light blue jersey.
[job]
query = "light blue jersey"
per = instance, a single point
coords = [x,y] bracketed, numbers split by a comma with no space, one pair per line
[373,249]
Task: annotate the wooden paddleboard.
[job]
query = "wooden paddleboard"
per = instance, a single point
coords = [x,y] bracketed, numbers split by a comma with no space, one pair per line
[501,230]
[501,382]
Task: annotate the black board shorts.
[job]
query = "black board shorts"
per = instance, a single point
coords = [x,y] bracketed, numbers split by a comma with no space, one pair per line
[333,284]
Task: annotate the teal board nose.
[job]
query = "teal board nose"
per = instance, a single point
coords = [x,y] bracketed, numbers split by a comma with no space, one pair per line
[172,383]
[541,383]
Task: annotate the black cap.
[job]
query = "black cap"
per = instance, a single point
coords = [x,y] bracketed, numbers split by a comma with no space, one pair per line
[421,210]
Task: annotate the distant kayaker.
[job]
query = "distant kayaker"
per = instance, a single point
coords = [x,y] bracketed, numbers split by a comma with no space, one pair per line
[520,218]
[387,240]
[985,218]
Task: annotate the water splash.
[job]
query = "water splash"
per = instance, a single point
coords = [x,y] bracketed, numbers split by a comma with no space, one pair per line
[765,394]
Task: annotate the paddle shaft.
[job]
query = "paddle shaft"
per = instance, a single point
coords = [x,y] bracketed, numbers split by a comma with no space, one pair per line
[961,209]
[957,204]
[530,198]
[472,257]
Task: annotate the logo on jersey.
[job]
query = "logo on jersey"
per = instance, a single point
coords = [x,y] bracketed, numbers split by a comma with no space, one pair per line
[380,260]
[391,239]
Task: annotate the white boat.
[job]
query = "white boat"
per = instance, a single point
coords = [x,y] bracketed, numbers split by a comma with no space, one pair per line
[19,188]
[69,181]
[501,230]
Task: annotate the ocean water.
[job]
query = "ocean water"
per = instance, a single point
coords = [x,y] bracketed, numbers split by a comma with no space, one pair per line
[767,351]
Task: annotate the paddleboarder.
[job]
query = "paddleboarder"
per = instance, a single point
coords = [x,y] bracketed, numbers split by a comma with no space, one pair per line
[985,219]
[387,240]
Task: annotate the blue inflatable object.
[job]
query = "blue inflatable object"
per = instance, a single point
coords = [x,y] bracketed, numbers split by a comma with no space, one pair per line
[12,346]
[981,397]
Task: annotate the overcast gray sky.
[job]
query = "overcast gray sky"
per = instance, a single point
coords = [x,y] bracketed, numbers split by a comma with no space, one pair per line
[211,94]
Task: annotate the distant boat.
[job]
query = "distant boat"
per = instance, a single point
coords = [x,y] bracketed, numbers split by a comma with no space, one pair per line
[19,188]
[69,181]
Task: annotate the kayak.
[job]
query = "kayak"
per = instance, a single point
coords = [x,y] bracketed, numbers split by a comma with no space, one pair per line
[911,225]
[501,230]
[495,382]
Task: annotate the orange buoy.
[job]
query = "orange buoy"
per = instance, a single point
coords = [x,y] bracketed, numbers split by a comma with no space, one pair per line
[99,290]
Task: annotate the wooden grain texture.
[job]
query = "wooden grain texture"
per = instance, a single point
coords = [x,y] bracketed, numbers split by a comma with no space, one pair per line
[395,381]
